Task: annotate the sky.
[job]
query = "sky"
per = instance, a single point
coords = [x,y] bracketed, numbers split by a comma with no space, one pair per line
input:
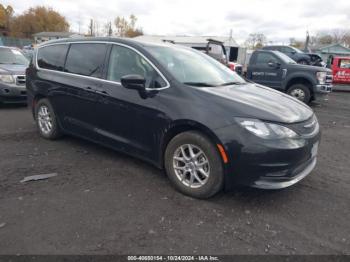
[279,20]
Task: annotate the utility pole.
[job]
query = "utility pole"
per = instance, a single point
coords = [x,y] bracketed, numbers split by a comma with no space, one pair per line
[91,27]
[110,32]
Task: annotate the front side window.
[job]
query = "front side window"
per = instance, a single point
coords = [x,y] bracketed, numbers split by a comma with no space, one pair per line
[86,59]
[193,67]
[265,58]
[52,57]
[344,63]
[125,61]
[12,56]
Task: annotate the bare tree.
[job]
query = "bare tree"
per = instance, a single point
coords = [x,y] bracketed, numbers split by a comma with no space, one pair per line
[296,43]
[334,36]
[256,41]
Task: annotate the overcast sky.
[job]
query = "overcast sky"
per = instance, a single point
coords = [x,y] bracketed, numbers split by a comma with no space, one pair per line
[277,19]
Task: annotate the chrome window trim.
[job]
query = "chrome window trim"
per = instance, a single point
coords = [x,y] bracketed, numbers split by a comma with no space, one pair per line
[95,78]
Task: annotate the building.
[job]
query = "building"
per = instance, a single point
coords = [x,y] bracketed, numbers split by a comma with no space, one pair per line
[46,36]
[332,50]
[235,53]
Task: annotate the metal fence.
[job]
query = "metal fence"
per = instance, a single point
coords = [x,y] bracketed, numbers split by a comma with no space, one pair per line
[13,41]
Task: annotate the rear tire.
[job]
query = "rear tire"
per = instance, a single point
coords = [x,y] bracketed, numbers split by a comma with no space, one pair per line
[300,92]
[193,165]
[46,120]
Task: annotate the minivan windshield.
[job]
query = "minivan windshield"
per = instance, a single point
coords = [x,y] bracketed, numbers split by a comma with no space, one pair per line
[12,56]
[285,58]
[194,68]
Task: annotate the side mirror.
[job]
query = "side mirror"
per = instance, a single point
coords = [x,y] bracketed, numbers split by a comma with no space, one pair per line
[293,52]
[136,82]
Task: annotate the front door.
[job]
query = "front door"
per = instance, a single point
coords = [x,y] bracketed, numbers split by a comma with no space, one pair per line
[266,70]
[128,119]
[341,71]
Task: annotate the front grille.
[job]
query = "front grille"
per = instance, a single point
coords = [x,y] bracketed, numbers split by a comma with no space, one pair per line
[20,80]
[307,128]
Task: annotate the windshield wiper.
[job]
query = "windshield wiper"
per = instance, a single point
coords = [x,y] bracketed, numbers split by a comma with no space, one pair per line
[202,84]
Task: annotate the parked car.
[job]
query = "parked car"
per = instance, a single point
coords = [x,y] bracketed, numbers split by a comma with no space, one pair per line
[341,70]
[316,60]
[294,53]
[176,108]
[12,75]
[238,68]
[278,71]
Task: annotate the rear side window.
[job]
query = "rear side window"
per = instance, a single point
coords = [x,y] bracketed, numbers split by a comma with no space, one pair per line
[52,57]
[264,58]
[86,59]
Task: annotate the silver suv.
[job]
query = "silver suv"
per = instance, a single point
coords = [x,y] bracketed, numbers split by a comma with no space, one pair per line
[12,75]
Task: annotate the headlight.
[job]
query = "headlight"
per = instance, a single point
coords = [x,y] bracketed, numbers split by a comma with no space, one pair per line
[7,79]
[266,130]
[321,77]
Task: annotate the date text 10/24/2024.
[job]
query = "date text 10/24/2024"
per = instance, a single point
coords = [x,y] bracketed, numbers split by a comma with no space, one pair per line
[173,258]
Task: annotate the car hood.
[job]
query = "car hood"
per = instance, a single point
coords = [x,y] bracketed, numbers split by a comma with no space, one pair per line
[260,102]
[309,68]
[14,69]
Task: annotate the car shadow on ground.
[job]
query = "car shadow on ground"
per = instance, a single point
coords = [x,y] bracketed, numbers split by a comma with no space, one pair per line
[248,196]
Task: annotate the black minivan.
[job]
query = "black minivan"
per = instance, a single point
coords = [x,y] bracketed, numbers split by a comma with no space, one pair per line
[174,107]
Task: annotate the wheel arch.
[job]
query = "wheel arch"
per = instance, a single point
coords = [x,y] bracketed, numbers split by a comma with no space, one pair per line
[35,100]
[300,80]
[181,126]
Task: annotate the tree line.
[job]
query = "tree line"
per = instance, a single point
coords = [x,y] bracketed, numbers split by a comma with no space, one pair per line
[41,18]
[321,38]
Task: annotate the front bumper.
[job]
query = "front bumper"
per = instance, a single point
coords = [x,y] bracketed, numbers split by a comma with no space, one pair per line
[10,93]
[279,182]
[323,89]
[268,164]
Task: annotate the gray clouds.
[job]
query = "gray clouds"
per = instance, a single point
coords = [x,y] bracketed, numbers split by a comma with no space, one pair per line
[277,19]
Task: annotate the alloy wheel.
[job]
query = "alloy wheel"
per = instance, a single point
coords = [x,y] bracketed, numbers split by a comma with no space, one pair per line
[191,166]
[44,119]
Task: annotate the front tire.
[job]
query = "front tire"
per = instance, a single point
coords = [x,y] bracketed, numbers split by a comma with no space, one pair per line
[193,165]
[46,120]
[300,92]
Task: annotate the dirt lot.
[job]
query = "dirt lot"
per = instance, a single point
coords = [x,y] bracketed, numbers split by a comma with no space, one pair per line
[103,202]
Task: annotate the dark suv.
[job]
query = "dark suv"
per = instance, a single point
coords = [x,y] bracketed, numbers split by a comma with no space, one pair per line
[176,108]
[294,53]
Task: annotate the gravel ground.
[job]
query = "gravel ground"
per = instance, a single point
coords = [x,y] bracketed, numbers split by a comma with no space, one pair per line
[103,202]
